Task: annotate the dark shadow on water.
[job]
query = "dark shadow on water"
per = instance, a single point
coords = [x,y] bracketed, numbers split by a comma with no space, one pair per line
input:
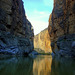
[41,65]
[16,66]
[63,66]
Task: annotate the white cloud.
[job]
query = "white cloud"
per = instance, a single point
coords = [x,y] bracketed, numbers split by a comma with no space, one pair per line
[39,15]
[39,12]
[42,13]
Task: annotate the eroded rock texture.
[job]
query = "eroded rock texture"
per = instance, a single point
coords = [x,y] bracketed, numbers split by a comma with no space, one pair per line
[16,32]
[42,41]
[62,27]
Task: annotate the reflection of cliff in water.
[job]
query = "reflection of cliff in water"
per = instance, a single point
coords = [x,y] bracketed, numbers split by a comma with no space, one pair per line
[63,66]
[16,66]
[42,65]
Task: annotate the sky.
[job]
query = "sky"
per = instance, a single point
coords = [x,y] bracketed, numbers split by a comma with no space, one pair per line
[38,12]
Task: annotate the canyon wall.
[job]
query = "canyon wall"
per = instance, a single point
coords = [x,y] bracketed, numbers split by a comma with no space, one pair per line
[42,42]
[62,27]
[16,32]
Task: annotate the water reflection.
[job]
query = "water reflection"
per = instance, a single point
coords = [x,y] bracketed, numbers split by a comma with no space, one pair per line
[16,66]
[63,66]
[41,65]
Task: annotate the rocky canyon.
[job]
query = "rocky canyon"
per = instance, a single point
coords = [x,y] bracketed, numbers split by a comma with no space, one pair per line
[62,28]
[60,37]
[16,32]
[50,52]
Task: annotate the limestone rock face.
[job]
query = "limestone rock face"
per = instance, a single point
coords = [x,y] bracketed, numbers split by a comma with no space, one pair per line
[42,41]
[16,32]
[62,24]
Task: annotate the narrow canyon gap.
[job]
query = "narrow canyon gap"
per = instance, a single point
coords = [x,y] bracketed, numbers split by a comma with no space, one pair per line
[60,39]
[50,52]
[17,33]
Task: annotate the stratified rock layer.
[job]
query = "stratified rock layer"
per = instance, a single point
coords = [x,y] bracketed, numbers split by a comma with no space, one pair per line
[42,41]
[16,32]
[62,27]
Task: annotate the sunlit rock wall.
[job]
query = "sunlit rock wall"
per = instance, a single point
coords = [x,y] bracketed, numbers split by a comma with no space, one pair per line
[16,32]
[42,41]
[62,27]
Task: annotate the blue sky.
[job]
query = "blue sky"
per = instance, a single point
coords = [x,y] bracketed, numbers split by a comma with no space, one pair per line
[38,12]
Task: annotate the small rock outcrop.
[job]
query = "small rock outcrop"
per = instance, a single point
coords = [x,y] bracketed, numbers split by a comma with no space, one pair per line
[42,42]
[62,27]
[16,32]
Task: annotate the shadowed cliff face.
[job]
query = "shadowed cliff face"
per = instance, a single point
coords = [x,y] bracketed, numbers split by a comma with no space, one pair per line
[62,27]
[42,41]
[16,32]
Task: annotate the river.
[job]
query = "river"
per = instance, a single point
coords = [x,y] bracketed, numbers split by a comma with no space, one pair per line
[41,65]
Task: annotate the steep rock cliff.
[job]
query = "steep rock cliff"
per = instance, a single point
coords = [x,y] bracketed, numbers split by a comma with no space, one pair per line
[42,41]
[16,32]
[62,27]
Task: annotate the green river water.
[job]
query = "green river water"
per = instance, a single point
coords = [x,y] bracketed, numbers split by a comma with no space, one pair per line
[41,65]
